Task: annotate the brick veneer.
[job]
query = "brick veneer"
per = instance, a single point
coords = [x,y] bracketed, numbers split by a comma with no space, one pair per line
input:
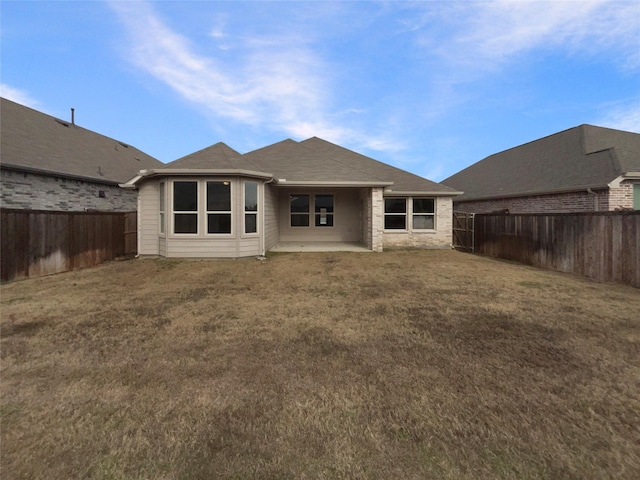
[608,200]
[41,192]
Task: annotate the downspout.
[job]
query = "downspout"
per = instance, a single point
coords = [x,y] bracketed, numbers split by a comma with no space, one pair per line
[596,204]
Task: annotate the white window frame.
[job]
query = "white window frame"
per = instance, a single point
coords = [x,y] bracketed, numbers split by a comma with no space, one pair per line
[409,214]
[246,212]
[421,214]
[309,212]
[406,214]
[328,214]
[186,212]
[208,212]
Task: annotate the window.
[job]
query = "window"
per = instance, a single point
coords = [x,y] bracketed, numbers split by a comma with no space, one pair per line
[250,207]
[218,207]
[424,217]
[299,206]
[185,207]
[324,210]
[162,207]
[395,213]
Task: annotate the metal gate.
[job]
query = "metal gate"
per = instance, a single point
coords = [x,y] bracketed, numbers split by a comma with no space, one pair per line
[463,233]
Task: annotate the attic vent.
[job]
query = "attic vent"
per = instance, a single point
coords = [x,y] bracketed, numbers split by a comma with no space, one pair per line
[62,122]
[124,145]
[137,158]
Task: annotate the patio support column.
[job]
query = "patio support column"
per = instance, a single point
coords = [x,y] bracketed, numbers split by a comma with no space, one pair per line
[377,219]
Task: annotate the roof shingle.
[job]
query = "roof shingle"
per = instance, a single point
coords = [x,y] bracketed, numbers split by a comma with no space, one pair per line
[35,141]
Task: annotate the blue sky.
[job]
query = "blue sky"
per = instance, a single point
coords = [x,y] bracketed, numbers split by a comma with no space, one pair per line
[431,87]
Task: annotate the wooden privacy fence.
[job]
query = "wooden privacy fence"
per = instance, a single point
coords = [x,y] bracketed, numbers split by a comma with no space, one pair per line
[604,246]
[35,243]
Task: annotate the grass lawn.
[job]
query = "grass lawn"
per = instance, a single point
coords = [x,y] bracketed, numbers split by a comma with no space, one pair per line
[406,364]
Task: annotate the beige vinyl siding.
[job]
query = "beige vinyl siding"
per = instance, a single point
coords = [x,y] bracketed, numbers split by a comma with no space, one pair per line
[148,218]
[200,247]
[271,229]
[347,219]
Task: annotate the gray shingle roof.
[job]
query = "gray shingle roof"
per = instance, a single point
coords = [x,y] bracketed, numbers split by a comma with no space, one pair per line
[315,159]
[218,156]
[34,141]
[403,181]
[579,158]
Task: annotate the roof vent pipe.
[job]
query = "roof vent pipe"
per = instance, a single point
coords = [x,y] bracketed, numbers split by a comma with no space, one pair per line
[73,116]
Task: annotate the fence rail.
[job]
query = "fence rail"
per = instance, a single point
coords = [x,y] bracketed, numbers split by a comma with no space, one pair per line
[34,243]
[604,246]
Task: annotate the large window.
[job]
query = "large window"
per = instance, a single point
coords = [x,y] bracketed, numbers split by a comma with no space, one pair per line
[162,207]
[409,213]
[299,205]
[250,207]
[218,207]
[185,207]
[395,213]
[324,210]
[424,217]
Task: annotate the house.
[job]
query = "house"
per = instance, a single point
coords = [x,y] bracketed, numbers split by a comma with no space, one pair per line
[52,164]
[583,169]
[220,203]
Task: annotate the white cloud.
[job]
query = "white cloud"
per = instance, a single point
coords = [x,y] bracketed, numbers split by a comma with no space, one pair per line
[622,116]
[17,95]
[482,35]
[272,82]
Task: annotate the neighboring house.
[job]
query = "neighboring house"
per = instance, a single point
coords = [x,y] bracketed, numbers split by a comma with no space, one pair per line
[52,164]
[583,169]
[220,203]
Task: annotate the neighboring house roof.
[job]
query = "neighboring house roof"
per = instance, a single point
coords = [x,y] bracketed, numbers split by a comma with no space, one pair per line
[576,159]
[218,156]
[35,142]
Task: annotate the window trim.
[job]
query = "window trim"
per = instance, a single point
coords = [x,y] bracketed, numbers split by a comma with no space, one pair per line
[422,214]
[308,212]
[162,208]
[331,214]
[409,214]
[208,212]
[246,212]
[406,215]
[185,212]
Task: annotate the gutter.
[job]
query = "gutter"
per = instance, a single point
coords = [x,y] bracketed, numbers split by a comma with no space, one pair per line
[325,183]
[164,172]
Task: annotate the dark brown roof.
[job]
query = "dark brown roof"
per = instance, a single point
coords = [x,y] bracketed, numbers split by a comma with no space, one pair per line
[579,158]
[34,141]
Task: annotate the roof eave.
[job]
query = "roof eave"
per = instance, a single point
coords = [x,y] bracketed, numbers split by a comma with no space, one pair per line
[615,183]
[329,183]
[414,193]
[39,171]
[536,193]
[182,172]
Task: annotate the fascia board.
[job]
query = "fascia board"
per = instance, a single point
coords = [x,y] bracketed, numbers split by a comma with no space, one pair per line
[316,183]
[165,172]
[51,173]
[392,193]
[627,176]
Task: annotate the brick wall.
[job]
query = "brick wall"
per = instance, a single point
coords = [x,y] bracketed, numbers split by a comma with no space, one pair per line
[622,197]
[40,192]
[556,203]
[441,237]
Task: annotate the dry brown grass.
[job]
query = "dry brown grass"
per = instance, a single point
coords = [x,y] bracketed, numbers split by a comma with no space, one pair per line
[409,364]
